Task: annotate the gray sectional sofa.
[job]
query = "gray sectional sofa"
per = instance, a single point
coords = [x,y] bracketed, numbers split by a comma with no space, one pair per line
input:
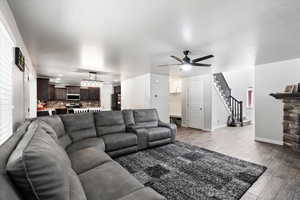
[70,157]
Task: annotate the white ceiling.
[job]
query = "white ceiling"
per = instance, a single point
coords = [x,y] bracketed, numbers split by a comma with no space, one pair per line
[131,37]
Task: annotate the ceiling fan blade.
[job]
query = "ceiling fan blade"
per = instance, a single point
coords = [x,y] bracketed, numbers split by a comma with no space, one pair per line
[202,58]
[178,59]
[201,65]
[168,65]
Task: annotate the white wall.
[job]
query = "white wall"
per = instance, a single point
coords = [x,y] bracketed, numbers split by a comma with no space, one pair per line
[19,112]
[272,78]
[105,95]
[147,91]
[219,111]
[135,92]
[160,95]
[239,81]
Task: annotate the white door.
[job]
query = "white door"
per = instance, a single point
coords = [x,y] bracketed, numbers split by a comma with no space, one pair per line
[196,109]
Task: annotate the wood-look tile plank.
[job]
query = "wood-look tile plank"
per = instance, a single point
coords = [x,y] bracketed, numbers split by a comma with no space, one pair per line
[281,181]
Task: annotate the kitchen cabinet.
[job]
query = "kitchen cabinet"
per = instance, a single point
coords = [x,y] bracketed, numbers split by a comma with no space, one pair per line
[84,94]
[51,92]
[60,93]
[116,98]
[42,89]
[94,94]
[73,90]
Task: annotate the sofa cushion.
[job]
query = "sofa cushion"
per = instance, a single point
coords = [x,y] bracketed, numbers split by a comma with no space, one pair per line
[108,182]
[108,122]
[145,193]
[7,188]
[79,126]
[145,118]
[49,130]
[89,142]
[119,140]
[76,189]
[88,158]
[158,133]
[41,169]
[56,123]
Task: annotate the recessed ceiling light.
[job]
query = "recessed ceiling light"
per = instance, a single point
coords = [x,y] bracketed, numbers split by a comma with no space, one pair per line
[60,75]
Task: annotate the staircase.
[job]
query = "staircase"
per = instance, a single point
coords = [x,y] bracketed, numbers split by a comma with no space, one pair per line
[234,106]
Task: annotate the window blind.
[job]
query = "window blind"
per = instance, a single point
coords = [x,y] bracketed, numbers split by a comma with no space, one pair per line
[6,64]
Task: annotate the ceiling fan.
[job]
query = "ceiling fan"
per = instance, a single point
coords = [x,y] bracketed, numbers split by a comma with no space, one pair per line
[187,62]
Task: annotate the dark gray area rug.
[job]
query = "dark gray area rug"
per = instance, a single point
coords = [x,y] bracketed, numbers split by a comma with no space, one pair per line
[183,172]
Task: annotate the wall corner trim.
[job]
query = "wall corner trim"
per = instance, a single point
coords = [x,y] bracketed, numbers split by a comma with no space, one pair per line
[266,140]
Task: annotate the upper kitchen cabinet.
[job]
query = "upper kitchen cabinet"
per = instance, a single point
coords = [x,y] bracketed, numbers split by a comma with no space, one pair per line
[94,94]
[84,94]
[73,90]
[51,92]
[60,93]
[42,89]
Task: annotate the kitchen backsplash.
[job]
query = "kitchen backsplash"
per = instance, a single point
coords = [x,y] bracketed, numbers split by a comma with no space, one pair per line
[84,104]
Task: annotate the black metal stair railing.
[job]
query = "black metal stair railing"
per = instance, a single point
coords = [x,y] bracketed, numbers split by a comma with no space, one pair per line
[236,110]
[235,106]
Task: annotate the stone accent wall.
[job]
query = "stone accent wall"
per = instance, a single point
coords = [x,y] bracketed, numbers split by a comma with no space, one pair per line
[291,124]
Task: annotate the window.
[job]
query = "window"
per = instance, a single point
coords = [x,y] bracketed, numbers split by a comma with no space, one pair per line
[250,97]
[6,59]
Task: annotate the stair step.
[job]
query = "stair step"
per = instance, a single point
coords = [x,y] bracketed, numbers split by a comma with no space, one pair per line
[246,122]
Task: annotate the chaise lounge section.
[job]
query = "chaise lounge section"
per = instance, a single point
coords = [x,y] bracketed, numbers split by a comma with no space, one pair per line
[90,141]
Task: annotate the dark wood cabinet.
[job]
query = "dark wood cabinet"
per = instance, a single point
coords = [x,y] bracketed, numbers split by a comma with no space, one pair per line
[48,92]
[84,94]
[116,98]
[51,92]
[42,89]
[60,93]
[94,94]
[73,90]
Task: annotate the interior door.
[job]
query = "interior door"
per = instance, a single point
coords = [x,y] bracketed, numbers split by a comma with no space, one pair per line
[196,109]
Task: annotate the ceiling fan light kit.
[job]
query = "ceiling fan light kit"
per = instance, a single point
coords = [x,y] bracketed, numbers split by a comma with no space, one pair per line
[186,67]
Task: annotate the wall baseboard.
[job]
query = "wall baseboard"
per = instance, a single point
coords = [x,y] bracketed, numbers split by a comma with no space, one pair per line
[219,126]
[207,130]
[266,140]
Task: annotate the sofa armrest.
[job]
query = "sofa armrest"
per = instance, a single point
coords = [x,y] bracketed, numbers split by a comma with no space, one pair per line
[142,136]
[171,126]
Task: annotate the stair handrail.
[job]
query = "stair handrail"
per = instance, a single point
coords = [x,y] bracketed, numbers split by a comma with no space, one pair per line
[235,105]
[223,83]
[236,108]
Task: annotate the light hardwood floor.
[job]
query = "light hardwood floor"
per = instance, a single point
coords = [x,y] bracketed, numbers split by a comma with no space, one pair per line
[281,181]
